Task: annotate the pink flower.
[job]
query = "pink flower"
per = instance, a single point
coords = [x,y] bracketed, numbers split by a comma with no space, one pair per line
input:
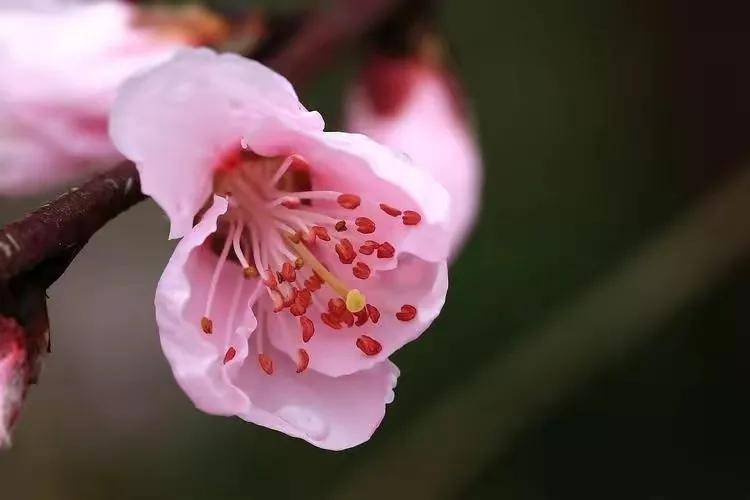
[12,375]
[61,65]
[317,255]
[414,107]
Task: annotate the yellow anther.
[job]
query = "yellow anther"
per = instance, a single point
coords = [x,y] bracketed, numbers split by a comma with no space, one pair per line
[355,301]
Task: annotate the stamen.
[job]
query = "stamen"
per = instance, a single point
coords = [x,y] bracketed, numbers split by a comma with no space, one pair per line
[349,201]
[361,270]
[282,169]
[229,356]
[250,272]
[347,318]
[289,202]
[364,225]
[206,323]
[308,328]
[361,317]
[369,345]
[373,313]
[336,306]
[386,250]
[320,232]
[329,320]
[315,195]
[368,247]
[340,226]
[408,312]
[266,363]
[297,309]
[304,360]
[298,263]
[256,251]
[236,235]
[355,301]
[288,272]
[411,218]
[393,212]
[345,251]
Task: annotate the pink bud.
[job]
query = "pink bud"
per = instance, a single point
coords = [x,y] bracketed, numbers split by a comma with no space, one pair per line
[415,107]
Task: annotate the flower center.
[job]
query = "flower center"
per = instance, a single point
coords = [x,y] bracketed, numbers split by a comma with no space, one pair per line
[277,226]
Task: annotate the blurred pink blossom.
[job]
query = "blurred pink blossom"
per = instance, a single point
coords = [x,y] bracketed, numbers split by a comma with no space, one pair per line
[415,107]
[61,65]
[317,255]
[13,375]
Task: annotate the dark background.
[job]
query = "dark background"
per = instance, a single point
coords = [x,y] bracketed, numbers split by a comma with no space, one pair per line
[603,125]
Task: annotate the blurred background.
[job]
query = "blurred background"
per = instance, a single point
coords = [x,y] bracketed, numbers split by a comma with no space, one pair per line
[594,341]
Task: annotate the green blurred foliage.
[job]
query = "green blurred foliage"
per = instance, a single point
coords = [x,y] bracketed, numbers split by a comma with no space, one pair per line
[573,106]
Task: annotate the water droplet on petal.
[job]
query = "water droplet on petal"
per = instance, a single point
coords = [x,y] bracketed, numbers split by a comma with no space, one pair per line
[305,420]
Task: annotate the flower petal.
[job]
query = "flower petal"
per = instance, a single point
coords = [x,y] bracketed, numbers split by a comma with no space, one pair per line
[179,120]
[195,357]
[414,281]
[353,163]
[427,124]
[53,123]
[334,413]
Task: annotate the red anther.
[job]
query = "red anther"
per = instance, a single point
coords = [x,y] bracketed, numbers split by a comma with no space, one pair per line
[297,309]
[266,363]
[270,280]
[340,226]
[298,263]
[314,282]
[337,307]
[320,232]
[350,201]
[361,270]
[291,203]
[330,321]
[229,356]
[364,225]
[308,328]
[386,250]
[288,272]
[411,218]
[309,238]
[348,318]
[369,345]
[279,277]
[373,312]
[303,360]
[408,313]
[346,251]
[304,297]
[207,325]
[277,299]
[368,247]
[361,317]
[393,212]
[289,295]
